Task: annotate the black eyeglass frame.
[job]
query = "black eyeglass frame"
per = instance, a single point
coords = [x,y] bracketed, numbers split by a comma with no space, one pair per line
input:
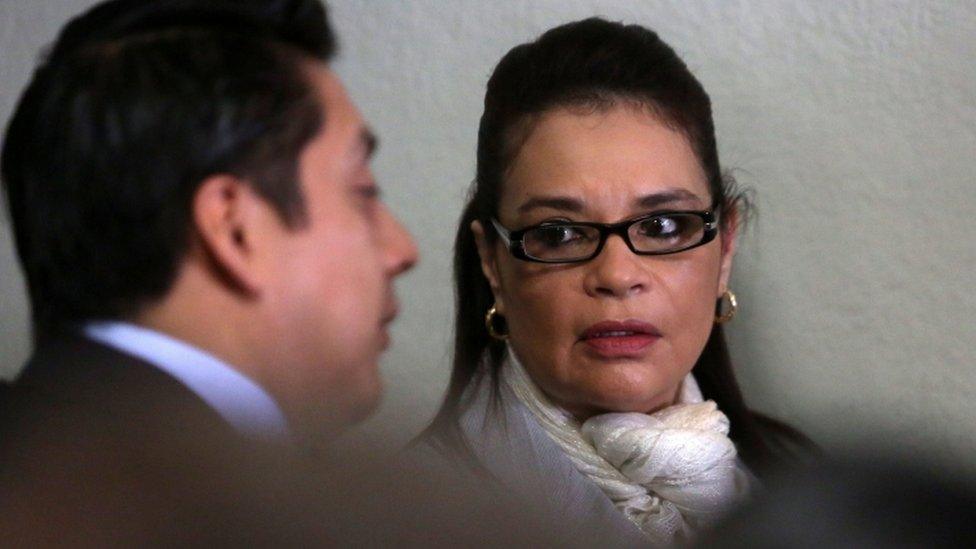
[514,239]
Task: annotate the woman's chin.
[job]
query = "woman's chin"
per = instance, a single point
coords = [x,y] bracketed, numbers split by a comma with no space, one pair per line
[640,395]
[617,403]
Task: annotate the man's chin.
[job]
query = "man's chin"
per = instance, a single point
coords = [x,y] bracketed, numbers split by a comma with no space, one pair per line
[360,402]
[323,423]
[367,405]
[331,405]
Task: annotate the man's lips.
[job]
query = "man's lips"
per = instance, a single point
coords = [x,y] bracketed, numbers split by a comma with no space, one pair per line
[388,317]
[391,308]
[620,339]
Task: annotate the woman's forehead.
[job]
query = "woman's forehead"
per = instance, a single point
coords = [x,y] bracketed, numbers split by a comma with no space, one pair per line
[618,159]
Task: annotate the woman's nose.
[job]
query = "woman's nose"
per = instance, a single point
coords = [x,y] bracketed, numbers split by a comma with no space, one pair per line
[617,272]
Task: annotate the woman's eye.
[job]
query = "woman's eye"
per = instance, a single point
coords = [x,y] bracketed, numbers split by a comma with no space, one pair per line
[663,227]
[557,235]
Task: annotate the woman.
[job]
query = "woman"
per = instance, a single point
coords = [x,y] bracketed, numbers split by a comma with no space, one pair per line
[592,267]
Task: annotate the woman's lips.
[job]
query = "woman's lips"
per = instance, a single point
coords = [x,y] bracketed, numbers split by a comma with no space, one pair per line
[615,339]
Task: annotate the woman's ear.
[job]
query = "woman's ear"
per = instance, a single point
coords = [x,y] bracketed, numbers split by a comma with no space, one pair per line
[489,263]
[729,238]
[223,208]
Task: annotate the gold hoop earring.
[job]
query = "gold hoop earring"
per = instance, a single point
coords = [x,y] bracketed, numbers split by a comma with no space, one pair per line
[490,324]
[720,317]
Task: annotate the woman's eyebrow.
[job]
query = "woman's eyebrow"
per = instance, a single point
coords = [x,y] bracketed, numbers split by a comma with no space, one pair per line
[665,197]
[575,205]
[564,203]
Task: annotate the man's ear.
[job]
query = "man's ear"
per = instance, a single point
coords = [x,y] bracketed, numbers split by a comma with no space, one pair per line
[729,237]
[489,264]
[223,211]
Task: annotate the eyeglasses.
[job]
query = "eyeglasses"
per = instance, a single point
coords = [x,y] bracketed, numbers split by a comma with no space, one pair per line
[574,242]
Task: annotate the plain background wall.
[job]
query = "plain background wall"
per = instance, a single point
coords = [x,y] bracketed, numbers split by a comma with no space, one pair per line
[854,122]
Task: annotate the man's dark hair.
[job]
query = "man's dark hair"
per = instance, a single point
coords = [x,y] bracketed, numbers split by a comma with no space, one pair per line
[136,104]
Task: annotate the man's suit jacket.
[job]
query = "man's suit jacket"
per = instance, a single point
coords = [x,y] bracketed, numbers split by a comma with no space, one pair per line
[99,447]
[73,380]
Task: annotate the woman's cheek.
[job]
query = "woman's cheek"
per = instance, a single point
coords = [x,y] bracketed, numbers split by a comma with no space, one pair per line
[695,323]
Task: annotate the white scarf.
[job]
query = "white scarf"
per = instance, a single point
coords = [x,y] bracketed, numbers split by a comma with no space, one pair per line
[671,472]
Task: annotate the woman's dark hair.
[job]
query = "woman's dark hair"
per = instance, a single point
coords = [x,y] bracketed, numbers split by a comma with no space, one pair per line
[134,106]
[592,64]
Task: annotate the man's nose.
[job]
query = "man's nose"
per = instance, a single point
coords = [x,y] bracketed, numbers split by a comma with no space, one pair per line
[401,249]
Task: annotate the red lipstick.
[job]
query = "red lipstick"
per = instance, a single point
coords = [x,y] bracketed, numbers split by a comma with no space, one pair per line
[614,339]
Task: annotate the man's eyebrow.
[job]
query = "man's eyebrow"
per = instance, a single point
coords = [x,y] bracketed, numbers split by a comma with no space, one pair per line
[564,203]
[665,197]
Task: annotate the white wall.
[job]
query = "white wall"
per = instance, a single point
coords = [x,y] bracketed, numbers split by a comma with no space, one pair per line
[855,122]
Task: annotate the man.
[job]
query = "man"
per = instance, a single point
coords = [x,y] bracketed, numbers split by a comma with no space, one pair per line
[208,261]
[190,187]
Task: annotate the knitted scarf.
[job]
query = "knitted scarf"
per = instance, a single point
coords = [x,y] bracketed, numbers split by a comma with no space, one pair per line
[671,472]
